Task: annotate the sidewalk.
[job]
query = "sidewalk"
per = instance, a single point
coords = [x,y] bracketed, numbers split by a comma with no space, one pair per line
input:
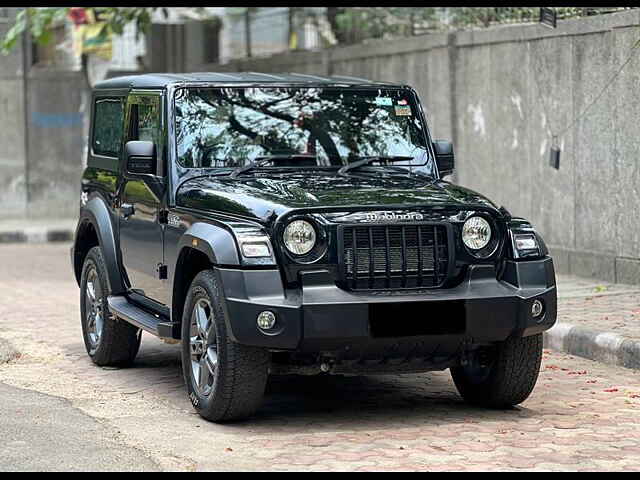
[37,230]
[596,319]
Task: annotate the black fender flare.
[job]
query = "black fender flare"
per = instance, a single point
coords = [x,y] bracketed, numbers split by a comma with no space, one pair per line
[97,213]
[217,243]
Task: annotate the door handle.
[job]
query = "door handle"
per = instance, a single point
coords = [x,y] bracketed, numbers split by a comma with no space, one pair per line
[126,209]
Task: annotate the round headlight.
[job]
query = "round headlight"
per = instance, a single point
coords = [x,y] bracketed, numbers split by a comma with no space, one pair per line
[476,233]
[299,237]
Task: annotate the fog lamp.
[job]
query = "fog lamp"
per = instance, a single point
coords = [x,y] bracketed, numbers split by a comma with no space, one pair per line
[266,320]
[536,308]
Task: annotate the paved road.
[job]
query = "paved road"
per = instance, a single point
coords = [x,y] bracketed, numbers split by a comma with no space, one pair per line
[581,416]
[41,433]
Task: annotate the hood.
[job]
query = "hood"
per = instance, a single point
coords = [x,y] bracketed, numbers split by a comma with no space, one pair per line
[263,197]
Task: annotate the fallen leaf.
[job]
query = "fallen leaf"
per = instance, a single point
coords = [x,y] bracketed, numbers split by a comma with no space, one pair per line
[228,449]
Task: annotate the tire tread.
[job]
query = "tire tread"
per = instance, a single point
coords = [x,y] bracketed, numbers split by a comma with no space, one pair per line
[513,376]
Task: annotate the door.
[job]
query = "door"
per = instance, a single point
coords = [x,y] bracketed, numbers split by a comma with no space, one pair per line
[141,197]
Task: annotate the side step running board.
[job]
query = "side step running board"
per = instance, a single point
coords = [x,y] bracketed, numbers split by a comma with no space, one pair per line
[122,308]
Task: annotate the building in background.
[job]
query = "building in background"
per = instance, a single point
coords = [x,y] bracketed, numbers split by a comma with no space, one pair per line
[255,32]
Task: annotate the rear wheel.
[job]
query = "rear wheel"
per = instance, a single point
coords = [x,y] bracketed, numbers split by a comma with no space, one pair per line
[502,375]
[225,380]
[108,340]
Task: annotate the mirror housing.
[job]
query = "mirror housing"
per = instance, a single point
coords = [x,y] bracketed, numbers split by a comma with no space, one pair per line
[141,157]
[445,158]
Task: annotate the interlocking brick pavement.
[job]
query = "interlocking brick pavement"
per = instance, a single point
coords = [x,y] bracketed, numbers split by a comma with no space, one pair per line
[581,416]
[598,305]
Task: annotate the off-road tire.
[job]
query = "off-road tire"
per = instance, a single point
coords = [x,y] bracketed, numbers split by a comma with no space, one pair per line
[239,380]
[511,377]
[119,341]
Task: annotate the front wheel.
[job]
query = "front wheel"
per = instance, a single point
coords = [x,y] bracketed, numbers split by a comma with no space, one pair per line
[502,375]
[225,380]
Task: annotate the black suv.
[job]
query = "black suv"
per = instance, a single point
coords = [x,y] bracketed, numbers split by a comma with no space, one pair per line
[279,224]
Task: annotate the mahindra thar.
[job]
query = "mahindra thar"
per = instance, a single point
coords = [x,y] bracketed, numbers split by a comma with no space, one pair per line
[298,224]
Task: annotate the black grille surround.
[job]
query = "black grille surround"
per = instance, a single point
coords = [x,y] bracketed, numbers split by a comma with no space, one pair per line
[394,256]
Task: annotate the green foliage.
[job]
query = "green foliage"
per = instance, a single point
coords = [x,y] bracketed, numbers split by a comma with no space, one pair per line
[355,24]
[39,21]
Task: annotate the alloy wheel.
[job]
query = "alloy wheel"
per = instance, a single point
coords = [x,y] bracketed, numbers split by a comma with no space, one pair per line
[203,347]
[94,308]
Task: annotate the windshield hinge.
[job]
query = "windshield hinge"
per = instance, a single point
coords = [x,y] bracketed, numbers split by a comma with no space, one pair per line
[162,271]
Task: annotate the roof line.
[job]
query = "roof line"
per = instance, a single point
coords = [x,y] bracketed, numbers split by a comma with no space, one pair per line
[354,78]
[235,77]
[324,79]
[266,75]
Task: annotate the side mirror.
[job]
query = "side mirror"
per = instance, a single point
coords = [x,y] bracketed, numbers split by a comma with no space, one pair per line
[141,157]
[444,157]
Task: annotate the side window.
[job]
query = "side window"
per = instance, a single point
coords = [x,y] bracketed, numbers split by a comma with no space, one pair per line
[107,126]
[145,119]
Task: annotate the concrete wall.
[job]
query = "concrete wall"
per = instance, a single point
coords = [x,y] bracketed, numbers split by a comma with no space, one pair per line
[499,94]
[13,191]
[41,142]
[55,142]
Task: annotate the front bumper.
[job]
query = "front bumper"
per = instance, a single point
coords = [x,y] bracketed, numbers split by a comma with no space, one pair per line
[321,317]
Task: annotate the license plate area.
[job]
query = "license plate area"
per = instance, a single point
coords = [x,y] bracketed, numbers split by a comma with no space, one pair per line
[408,319]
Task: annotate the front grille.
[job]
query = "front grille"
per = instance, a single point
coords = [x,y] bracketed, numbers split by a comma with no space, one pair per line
[394,256]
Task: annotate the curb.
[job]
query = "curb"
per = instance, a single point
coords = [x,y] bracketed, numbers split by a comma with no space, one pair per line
[42,235]
[604,347]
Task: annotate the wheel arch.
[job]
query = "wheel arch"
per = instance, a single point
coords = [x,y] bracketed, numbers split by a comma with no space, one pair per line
[95,229]
[201,247]
[191,261]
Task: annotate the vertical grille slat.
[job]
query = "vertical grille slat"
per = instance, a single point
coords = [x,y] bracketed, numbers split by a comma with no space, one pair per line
[372,257]
[404,256]
[394,256]
[436,261]
[355,257]
[420,277]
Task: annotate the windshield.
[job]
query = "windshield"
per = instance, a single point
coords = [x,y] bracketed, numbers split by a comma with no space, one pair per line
[299,127]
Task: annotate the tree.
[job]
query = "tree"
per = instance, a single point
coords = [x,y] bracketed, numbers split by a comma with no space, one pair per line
[355,24]
[39,21]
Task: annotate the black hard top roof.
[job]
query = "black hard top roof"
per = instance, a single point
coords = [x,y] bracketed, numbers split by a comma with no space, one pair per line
[162,80]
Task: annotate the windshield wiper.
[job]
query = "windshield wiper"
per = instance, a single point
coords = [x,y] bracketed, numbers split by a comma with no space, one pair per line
[260,161]
[366,160]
